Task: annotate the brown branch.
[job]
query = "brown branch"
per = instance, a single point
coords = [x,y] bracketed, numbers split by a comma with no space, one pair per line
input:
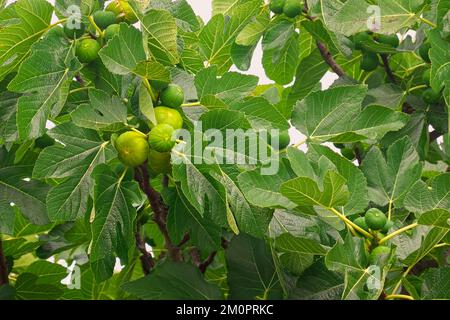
[4,280]
[159,209]
[197,260]
[183,241]
[387,68]
[146,258]
[205,264]
[328,57]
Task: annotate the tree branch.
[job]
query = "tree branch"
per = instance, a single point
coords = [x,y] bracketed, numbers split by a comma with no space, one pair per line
[328,57]
[197,260]
[3,267]
[159,210]
[146,258]
[387,68]
[183,241]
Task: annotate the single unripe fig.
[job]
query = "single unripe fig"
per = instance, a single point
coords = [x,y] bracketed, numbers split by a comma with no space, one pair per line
[424,51]
[292,8]
[361,222]
[122,11]
[375,219]
[276,6]
[389,224]
[161,139]
[172,96]
[377,252]
[104,19]
[360,38]
[391,40]
[87,50]
[168,116]
[132,148]
[111,31]
[369,61]
[72,32]
[430,96]
[158,162]
[283,139]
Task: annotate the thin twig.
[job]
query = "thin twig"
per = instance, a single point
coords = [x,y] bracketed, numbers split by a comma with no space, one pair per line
[205,264]
[183,241]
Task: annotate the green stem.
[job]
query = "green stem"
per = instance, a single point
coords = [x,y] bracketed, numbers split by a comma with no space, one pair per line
[80,89]
[191,104]
[137,131]
[428,22]
[100,32]
[349,223]
[397,286]
[149,88]
[398,296]
[397,232]
[422,86]
[390,210]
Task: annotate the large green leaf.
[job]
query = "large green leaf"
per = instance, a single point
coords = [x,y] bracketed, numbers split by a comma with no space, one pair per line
[251,270]
[160,30]
[105,112]
[46,76]
[440,57]
[355,180]
[16,39]
[336,115]
[8,107]
[354,16]
[112,228]
[228,89]
[304,191]
[219,34]
[184,218]
[75,160]
[29,195]
[395,175]
[124,52]
[261,114]
[309,72]
[281,49]
[297,254]
[428,196]
[173,281]
[319,283]
[7,217]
